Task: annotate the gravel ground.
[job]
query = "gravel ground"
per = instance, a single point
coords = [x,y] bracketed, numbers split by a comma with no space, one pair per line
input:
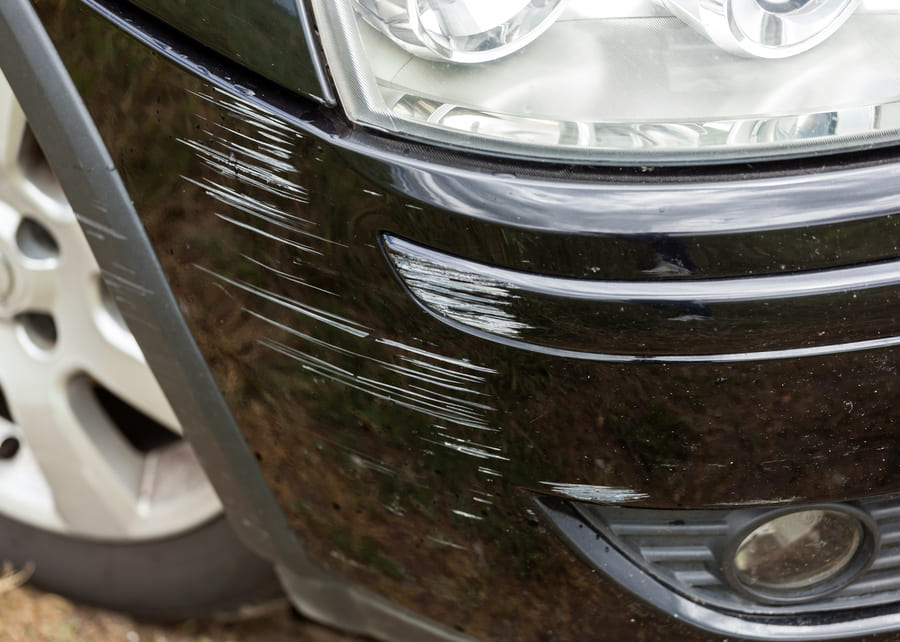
[30,615]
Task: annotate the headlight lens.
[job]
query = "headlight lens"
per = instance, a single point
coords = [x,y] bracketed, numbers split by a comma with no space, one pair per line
[621,81]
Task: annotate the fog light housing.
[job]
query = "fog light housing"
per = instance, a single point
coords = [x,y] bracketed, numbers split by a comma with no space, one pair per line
[800,555]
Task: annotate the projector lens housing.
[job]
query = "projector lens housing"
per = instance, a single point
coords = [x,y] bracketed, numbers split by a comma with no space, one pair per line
[473,31]
[765,28]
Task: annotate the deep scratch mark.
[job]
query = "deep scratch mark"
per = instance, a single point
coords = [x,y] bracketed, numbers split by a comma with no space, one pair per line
[470,299]
[334,320]
[269,235]
[606,494]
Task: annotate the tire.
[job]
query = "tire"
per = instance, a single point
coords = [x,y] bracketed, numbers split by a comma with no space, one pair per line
[206,572]
[98,489]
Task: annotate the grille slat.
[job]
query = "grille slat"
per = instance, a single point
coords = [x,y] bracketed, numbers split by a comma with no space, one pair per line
[873,583]
[884,511]
[663,529]
[697,578]
[887,559]
[890,534]
[671,554]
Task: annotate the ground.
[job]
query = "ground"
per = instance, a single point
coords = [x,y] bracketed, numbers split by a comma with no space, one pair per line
[30,615]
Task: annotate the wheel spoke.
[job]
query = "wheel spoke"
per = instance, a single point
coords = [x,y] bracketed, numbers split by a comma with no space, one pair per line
[90,496]
[100,345]
[92,472]
[9,224]
[22,484]
[115,361]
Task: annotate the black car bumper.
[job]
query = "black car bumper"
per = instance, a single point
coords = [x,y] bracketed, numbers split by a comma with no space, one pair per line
[416,343]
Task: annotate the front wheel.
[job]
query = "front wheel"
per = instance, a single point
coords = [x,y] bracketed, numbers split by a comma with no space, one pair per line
[98,489]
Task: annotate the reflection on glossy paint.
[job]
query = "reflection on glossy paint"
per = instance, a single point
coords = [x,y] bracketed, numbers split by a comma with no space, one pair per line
[628,207]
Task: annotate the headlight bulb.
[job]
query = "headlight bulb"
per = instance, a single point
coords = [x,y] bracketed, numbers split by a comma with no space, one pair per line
[764,28]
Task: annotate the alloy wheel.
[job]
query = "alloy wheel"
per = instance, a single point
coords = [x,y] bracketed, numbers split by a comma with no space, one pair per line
[89,445]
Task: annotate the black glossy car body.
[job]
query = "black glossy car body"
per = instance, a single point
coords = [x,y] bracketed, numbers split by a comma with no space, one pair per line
[407,369]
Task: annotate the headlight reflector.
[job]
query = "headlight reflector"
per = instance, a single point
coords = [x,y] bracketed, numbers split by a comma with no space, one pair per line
[621,82]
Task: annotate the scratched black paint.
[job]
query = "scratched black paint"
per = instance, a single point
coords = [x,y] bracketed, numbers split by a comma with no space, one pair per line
[399,447]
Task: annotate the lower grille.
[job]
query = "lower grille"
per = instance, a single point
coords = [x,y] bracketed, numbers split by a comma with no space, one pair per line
[682,549]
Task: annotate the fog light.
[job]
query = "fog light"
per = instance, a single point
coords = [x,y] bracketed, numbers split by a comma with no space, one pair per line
[802,554]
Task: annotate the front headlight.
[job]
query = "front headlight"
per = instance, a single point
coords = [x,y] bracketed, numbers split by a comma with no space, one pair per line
[621,81]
